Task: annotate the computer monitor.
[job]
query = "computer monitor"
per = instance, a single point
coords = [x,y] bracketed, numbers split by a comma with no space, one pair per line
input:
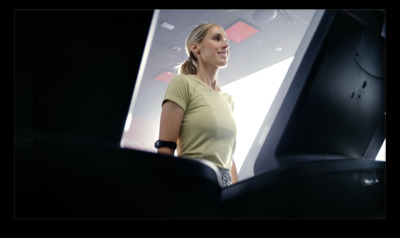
[335,105]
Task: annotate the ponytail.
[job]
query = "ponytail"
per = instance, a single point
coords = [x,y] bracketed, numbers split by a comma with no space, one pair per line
[188,67]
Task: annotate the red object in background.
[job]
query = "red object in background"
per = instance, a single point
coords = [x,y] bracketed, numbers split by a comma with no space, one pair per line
[165,76]
[240,31]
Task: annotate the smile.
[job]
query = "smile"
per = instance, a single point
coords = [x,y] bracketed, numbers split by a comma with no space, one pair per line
[223,54]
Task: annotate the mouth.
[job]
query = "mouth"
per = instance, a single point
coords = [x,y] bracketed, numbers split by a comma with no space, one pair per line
[223,54]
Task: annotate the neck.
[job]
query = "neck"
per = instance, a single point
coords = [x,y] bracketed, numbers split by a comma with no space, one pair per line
[209,77]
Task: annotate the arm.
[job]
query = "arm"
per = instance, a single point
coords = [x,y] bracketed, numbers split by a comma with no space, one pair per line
[170,125]
[234,173]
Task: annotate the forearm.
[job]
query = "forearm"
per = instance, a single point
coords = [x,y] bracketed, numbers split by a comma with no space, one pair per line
[234,173]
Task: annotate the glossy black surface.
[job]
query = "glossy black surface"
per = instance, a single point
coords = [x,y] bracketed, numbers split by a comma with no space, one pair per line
[345,188]
[71,178]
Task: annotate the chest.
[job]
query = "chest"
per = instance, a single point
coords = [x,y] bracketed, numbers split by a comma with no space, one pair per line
[210,112]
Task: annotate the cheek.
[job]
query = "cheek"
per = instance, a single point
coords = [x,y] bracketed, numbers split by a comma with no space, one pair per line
[206,54]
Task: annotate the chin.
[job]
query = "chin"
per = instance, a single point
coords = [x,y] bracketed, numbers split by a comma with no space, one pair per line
[223,65]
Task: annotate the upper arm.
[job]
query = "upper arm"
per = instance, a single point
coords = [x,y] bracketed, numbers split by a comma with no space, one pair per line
[173,108]
[171,121]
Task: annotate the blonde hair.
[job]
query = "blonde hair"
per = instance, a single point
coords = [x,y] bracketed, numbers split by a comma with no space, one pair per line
[197,35]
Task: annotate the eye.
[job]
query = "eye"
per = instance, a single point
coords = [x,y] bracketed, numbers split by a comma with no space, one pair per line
[217,38]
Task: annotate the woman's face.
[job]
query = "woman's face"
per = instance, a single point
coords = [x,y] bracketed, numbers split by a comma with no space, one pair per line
[214,49]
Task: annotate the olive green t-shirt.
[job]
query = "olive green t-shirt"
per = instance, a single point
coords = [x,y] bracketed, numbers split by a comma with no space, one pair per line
[208,128]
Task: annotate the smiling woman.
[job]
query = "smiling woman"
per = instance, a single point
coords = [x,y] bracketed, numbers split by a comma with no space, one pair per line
[197,116]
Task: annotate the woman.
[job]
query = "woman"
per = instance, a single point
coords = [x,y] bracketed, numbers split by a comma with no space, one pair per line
[197,117]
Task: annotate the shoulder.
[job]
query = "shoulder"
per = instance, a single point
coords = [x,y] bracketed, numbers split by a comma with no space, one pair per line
[183,81]
[178,81]
[180,78]
[180,86]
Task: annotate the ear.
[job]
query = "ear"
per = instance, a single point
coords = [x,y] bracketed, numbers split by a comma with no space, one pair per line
[194,48]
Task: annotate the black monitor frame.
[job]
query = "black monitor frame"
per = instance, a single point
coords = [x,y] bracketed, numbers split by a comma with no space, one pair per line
[328,113]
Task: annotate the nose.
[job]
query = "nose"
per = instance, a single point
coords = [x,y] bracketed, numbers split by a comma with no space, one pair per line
[225,44]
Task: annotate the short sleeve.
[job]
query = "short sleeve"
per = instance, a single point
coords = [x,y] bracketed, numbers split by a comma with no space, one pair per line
[178,91]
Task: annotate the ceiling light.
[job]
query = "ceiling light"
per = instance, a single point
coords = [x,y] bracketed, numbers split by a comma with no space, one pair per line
[264,15]
[176,49]
[167,26]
